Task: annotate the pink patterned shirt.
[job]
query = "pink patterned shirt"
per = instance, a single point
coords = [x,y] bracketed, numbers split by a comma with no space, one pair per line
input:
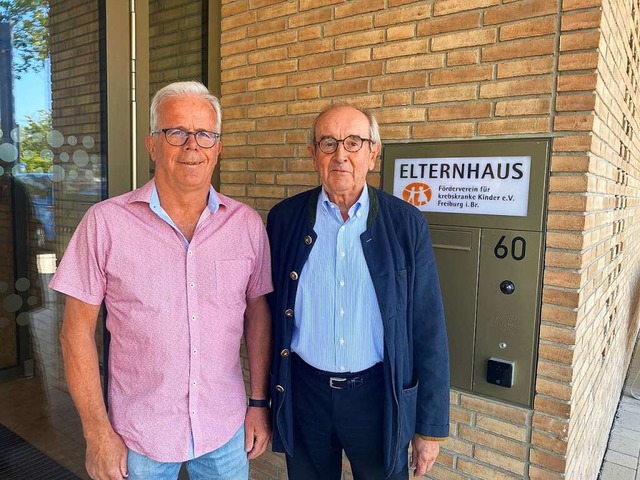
[175,314]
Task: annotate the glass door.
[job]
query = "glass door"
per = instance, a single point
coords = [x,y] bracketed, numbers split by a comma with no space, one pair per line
[56,151]
[76,78]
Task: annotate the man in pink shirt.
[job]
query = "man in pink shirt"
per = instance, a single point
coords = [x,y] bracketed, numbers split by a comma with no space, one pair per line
[183,272]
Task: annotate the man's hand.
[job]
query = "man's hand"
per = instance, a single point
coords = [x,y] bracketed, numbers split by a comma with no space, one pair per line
[423,455]
[257,431]
[107,457]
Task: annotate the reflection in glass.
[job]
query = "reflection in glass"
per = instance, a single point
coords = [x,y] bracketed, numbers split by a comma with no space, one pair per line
[51,171]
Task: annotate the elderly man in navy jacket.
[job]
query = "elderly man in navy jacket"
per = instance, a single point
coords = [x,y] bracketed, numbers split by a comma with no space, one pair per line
[360,360]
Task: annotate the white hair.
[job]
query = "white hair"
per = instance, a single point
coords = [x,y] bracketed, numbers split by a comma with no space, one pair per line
[374,129]
[178,89]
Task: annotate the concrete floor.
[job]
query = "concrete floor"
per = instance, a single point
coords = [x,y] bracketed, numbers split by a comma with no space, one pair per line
[46,418]
[622,459]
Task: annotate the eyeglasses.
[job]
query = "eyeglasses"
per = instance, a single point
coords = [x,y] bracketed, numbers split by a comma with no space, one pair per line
[178,137]
[352,143]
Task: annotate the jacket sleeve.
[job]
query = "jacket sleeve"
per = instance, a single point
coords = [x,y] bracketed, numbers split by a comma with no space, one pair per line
[431,352]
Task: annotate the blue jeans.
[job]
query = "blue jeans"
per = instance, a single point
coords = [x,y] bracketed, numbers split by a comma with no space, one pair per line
[229,462]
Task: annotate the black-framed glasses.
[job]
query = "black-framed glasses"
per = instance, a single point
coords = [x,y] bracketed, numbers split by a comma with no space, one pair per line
[178,137]
[352,143]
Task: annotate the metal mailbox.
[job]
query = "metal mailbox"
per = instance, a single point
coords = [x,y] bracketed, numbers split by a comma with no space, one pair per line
[486,206]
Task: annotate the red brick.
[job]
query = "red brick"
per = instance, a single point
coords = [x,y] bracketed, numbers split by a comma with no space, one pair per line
[402,15]
[407,80]
[359,39]
[322,60]
[530,106]
[401,115]
[447,7]
[527,67]
[358,7]
[442,130]
[580,20]
[513,126]
[435,26]
[511,88]
[576,82]
[518,49]
[578,61]
[579,41]
[469,38]
[460,111]
[350,87]
[446,94]
[347,25]
[528,28]
[520,11]
[575,102]
[309,18]
[415,62]
[397,49]
[461,75]
[372,69]
[463,57]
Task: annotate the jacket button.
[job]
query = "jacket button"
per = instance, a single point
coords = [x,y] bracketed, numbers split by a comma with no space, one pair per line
[284,353]
[279,389]
[293,275]
[288,312]
[308,240]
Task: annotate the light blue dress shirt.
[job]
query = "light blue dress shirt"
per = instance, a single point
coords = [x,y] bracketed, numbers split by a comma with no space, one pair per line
[338,326]
[212,206]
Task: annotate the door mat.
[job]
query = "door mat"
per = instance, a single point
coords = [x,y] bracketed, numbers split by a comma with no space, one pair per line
[19,460]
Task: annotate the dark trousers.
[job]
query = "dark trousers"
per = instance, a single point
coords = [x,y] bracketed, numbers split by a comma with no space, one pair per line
[328,420]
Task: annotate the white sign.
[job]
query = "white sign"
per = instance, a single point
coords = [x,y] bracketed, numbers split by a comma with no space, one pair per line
[477,185]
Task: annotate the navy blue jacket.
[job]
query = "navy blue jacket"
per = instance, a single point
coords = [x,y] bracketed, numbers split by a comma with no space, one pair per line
[398,251]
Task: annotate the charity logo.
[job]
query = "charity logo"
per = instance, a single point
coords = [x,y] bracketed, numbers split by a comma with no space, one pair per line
[417,194]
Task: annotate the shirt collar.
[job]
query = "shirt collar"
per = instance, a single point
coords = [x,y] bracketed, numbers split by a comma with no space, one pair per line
[358,208]
[149,193]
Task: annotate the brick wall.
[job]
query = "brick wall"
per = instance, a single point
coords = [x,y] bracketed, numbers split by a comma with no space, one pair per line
[452,69]
[176,32]
[607,316]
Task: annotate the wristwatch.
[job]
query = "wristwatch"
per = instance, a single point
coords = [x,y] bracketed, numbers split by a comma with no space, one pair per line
[259,403]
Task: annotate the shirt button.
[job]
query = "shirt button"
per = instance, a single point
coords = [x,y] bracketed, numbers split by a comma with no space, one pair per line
[195,351]
[341,311]
[193,317]
[192,284]
[342,369]
[288,312]
[194,383]
[342,341]
[342,283]
[359,214]
[193,412]
[293,275]
[190,252]
[308,240]
[342,254]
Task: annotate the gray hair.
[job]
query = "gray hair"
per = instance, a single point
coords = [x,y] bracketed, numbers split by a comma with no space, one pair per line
[374,130]
[179,89]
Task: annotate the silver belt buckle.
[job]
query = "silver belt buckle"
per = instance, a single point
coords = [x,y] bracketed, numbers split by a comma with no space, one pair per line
[336,379]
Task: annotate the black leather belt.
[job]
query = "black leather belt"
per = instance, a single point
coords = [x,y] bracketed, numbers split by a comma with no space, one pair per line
[337,380]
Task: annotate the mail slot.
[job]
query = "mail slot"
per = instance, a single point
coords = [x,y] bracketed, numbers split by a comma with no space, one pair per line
[485,202]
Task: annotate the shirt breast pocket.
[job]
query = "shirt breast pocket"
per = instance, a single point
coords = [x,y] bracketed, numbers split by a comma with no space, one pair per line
[232,279]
